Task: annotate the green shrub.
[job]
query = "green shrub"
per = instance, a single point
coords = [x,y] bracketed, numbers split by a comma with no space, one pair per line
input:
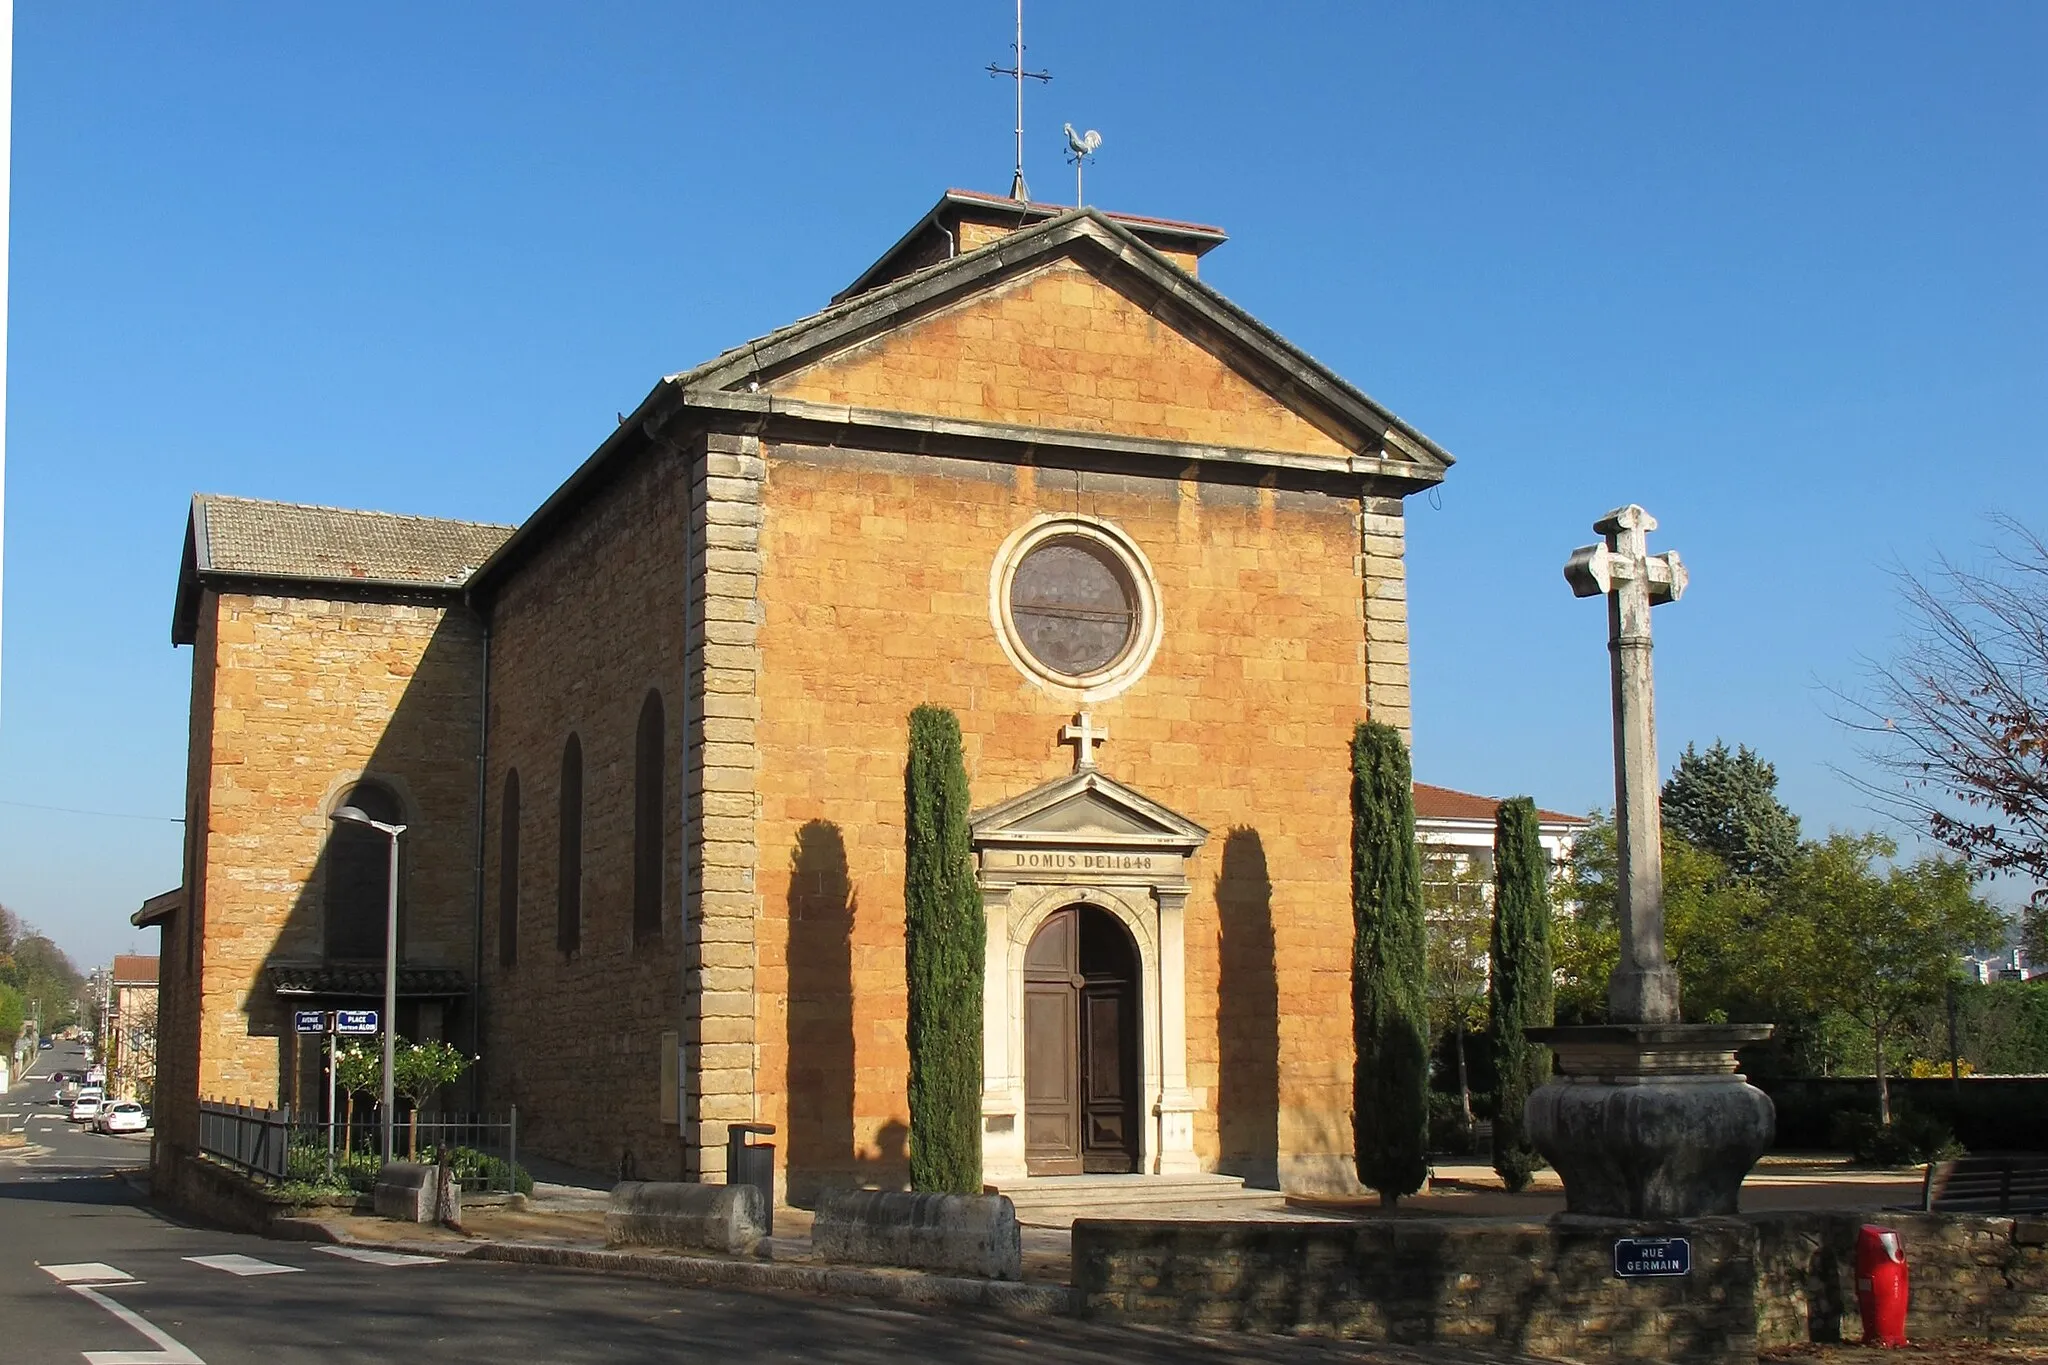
[1521,994]
[1911,1138]
[944,943]
[1389,1009]
[1449,1134]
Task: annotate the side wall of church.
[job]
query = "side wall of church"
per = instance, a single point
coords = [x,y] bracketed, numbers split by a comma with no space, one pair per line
[875,592]
[306,697]
[175,1112]
[578,638]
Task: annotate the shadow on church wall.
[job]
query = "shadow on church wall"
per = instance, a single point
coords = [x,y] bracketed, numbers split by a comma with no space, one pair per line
[820,1145]
[1248,1014]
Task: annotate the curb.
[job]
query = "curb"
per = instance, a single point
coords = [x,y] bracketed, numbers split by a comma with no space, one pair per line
[896,1286]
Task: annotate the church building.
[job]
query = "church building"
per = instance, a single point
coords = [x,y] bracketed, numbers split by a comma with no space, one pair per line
[648,747]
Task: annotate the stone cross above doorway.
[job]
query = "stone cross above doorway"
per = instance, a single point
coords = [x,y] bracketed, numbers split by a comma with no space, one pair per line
[1083,735]
[1644,987]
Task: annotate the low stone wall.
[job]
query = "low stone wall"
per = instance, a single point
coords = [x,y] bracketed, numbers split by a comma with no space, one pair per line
[225,1198]
[1971,1276]
[1549,1288]
[726,1218]
[954,1234]
[1544,1288]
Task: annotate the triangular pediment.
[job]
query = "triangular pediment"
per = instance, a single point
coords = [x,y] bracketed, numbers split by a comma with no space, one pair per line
[1086,809]
[1074,326]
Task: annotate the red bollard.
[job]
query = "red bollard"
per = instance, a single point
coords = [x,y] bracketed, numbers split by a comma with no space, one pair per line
[1881,1288]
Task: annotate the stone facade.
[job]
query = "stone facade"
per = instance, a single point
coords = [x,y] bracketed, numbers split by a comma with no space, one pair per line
[791,547]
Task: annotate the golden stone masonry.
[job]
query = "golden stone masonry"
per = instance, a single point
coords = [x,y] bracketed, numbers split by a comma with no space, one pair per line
[648,746]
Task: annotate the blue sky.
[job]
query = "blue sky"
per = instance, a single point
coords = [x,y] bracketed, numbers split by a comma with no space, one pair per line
[1775,272]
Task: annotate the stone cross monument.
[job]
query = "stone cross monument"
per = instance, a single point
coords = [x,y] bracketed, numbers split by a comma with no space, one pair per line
[1650,1118]
[1644,988]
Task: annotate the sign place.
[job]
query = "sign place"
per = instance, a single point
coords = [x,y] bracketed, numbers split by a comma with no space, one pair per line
[355,1021]
[309,1021]
[1641,1257]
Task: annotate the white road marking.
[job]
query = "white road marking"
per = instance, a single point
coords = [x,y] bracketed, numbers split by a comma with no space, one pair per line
[170,1351]
[372,1257]
[237,1264]
[88,1272]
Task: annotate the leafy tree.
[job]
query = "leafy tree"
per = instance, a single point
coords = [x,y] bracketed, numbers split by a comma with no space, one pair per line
[1727,804]
[1459,920]
[1389,1010]
[1710,921]
[1958,720]
[11,1018]
[417,1071]
[945,936]
[358,1070]
[40,971]
[1874,945]
[1522,985]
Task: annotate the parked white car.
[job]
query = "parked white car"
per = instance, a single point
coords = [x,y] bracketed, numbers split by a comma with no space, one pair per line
[85,1108]
[122,1116]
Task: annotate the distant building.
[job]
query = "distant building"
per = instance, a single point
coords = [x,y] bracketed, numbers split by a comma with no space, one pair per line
[1455,830]
[131,1028]
[2010,965]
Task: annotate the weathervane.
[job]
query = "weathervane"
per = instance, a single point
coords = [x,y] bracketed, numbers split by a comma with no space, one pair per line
[1080,146]
[1016,71]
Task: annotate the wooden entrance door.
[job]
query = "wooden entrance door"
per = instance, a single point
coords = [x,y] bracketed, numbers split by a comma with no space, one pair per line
[1081,1037]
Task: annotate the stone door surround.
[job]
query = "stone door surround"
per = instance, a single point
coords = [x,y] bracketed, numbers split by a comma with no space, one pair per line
[1086,839]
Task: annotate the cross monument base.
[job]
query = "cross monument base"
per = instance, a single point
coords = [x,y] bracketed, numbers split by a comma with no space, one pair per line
[1651,1120]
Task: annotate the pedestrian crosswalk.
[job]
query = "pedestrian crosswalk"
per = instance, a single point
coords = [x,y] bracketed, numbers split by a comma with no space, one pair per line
[237,1264]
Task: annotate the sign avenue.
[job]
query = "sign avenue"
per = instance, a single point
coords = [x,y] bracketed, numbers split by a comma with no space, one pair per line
[310,1021]
[355,1021]
[1638,1257]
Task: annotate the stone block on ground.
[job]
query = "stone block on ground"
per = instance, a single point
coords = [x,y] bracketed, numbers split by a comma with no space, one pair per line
[726,1218]
[410,1192]
[957,1234]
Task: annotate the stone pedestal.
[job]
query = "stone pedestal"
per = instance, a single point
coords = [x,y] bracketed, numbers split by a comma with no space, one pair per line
[1651,1120]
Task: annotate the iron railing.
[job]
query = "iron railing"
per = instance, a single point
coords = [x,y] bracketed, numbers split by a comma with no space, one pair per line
[481,1150]
[248,1138]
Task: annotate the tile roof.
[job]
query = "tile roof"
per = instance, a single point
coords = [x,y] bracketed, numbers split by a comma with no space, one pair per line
[336,544]
[332,979]
[131,969]
[1441,803]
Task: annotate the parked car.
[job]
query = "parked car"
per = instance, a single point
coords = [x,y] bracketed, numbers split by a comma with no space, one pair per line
[43,1044]
[85,1108]
[122,1116]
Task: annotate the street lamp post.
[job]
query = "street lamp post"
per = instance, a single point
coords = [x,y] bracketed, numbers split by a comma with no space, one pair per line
[354,815]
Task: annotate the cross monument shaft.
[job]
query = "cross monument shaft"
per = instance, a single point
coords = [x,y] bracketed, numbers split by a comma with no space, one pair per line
[1644,987]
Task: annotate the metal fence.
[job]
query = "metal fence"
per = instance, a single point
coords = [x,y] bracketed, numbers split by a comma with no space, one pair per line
[249,1139]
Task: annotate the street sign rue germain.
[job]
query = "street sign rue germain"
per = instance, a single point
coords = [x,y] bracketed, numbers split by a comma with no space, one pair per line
[1637,1257]
[355,1021]
[310,1021]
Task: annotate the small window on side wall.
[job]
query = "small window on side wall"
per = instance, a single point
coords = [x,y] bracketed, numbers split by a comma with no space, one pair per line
[569,854]
[649,818]
[358,876]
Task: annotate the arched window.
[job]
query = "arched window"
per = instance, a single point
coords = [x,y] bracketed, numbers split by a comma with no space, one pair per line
[569,855]
[358,875]
[508,872]
[649,816]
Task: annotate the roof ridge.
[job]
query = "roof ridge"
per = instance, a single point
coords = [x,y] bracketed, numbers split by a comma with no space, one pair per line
[210,499]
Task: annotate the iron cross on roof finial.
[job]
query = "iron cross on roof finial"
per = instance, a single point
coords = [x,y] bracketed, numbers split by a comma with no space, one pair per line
[1016,70]
[1644,987]
[1083,735]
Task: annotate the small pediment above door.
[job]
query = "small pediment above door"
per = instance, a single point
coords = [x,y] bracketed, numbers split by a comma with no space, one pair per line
[1086,810]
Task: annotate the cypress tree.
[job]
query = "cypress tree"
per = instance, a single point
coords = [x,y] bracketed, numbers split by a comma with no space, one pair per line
[1389,1009]
[1521,989]
[943,942]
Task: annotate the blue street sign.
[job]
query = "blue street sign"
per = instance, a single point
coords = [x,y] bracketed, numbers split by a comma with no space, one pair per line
[355,1021]
[1638,1257]
[310,1021]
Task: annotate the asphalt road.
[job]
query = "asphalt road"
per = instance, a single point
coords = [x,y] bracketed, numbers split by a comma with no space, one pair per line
[88,1271]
